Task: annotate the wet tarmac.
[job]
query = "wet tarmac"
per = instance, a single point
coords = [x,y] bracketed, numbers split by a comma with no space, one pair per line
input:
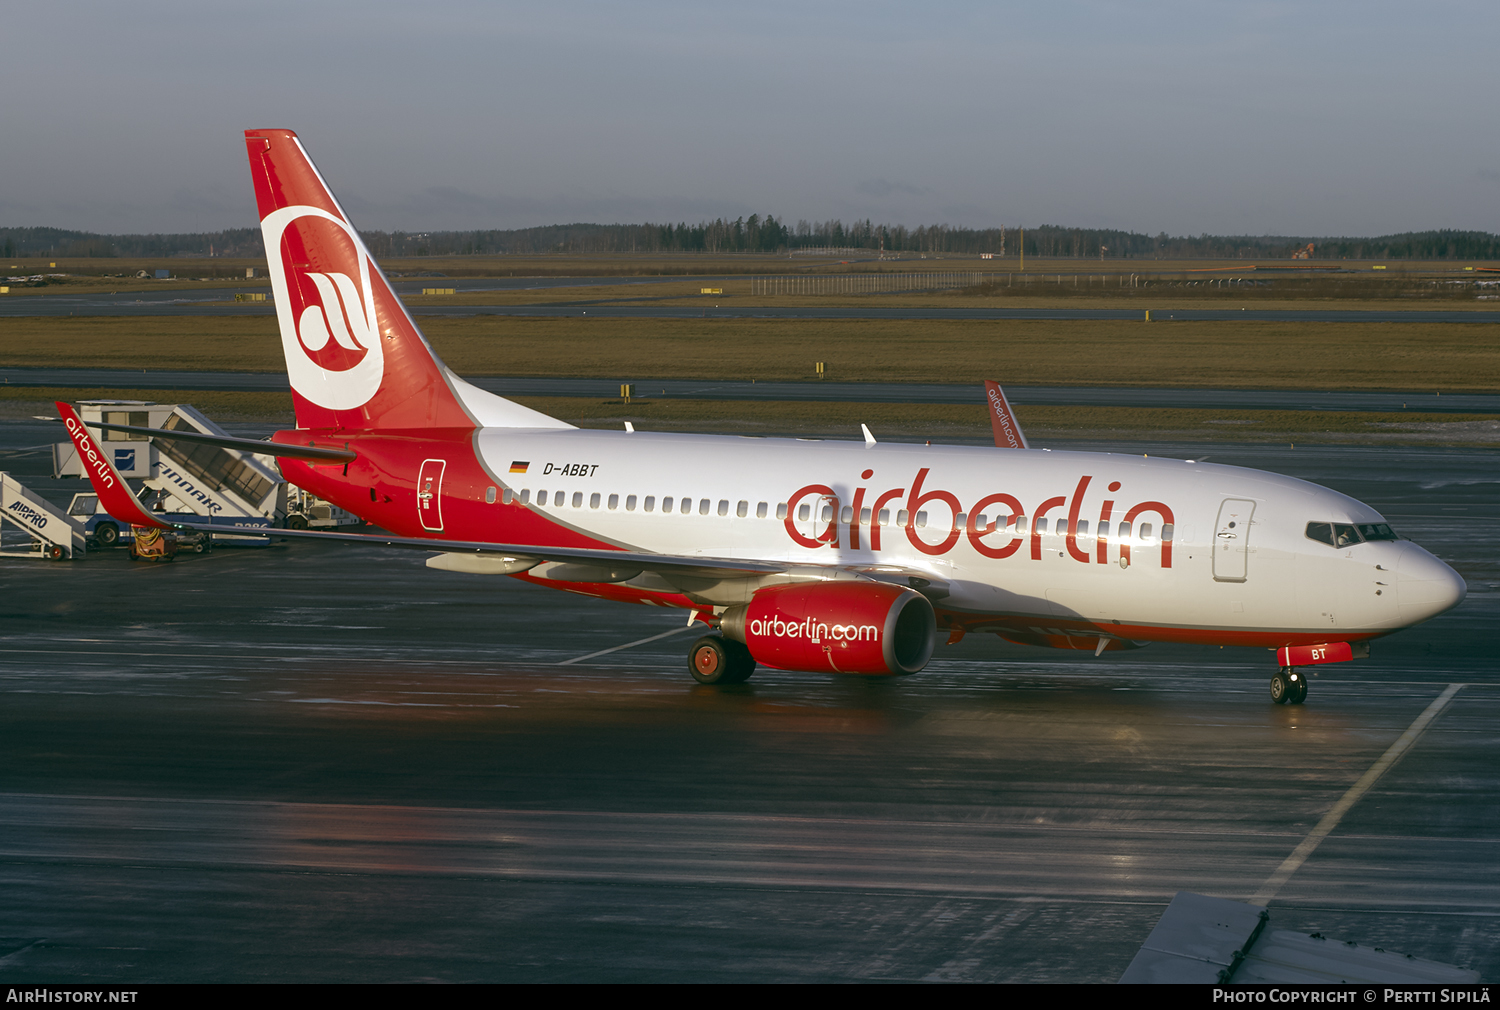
[863,392]
[312,762]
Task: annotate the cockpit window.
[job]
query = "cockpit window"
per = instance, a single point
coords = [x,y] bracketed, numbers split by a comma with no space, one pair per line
[1348,534]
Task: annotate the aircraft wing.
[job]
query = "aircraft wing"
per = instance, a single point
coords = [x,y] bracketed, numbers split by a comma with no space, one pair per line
[592,558]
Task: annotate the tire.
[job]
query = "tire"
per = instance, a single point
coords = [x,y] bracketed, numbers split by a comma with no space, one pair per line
[108,534]
[741,663]
[1298,692]
[296,522]
[1281,688]
[710,662]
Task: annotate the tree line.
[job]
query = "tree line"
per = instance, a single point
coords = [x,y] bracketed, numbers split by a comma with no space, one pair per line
[757,234]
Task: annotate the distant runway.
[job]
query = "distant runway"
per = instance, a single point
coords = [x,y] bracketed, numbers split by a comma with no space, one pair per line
[855,392]
[209,303]
[323,763]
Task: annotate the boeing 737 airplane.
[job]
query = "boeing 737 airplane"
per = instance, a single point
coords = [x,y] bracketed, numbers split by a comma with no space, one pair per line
[799,554]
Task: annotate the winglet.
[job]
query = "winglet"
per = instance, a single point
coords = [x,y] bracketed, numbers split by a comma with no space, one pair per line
[1008,434]
[114,493]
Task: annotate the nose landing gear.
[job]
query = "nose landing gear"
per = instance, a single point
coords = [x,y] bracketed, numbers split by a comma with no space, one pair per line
[1288,687]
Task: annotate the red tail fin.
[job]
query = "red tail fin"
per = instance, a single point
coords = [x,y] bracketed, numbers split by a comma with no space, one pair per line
[354,356]
[1008,434]
[111,488]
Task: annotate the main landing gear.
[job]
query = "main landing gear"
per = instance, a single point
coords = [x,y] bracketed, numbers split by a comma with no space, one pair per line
[1288,687]
[715,660]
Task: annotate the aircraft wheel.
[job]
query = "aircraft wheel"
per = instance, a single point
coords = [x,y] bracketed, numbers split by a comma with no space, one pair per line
[1281,686]
[108,534]
[741,663]
[711,661]
[1298,688]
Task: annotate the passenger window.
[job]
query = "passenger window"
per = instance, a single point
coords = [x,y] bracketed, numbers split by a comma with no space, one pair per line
[507,496]
[593,499]
[827,516]
[1083,528]
[742,509]
[1167,532]
[578,500]
[1123,532]
[1020,525]
[781,510]
[921,520]
[803,511]
[704,504]
[1041,525]
[614,502]
[961,519]
[630,503]
[685,506]
[650,503]
[525,495]
[864,517]
[981,522]
[1145,533]
[847,515]
[541,497]
[760,510]
[723,506]
[489,495]
[902,517]
[884,519]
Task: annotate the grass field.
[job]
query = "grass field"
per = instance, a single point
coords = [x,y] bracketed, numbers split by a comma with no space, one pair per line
[888,420]
[1412,357]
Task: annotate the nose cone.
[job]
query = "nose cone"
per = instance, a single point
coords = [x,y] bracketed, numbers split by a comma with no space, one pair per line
[1425,587]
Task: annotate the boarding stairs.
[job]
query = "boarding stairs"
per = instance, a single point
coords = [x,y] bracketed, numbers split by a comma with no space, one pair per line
[54,534]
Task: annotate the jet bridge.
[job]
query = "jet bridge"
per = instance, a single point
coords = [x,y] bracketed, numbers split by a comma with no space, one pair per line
[51,532]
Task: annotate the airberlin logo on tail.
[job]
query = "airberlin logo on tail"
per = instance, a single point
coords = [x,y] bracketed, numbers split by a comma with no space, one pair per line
[325,304]
[336,318]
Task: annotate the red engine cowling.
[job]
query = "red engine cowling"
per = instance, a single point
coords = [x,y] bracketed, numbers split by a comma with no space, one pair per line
[836,627]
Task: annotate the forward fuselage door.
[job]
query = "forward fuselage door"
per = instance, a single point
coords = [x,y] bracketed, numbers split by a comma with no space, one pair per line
[430,493]
[1232,540]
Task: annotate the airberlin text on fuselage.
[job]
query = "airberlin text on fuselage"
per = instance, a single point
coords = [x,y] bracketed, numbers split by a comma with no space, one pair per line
[90,455]
[1004,505]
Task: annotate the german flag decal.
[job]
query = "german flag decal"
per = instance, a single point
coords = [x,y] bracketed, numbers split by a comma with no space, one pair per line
[519,466]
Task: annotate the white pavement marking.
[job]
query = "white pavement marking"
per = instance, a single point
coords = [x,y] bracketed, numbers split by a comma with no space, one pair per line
[1331,819]
[627,645]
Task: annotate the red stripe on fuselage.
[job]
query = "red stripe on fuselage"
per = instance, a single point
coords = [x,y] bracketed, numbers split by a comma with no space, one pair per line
[1034,625]
[390,463]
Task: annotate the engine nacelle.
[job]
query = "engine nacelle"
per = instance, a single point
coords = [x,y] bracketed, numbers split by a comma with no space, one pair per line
[836,627]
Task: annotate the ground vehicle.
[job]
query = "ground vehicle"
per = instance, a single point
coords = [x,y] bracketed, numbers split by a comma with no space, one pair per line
[811,555]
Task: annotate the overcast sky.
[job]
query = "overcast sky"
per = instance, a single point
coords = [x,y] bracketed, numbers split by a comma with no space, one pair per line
[1248,117]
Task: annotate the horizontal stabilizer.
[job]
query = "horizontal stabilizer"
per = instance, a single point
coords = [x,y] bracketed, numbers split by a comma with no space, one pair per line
[278,449]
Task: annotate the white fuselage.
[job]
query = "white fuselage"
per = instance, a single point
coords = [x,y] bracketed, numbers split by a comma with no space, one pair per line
[1261,575]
